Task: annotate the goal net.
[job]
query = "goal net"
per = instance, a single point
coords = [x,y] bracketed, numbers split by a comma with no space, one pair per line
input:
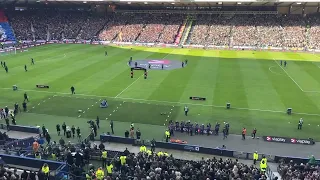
[8,51]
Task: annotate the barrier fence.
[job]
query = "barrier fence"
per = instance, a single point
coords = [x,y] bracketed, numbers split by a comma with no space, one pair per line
[205,150]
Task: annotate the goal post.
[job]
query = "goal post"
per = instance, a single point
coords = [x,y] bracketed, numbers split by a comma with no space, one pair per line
[8,51]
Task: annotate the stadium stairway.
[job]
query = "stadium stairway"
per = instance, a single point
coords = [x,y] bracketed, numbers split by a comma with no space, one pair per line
[274,169]
[180,32]
[190,33]
[186,32]
[5,28]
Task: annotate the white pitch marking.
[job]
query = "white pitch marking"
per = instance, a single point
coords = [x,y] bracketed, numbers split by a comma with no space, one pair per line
[83,112]
[288,75]
[114,110]
[128,86]
[33,107]
[106,118]
[44,101]
[88,108]
[38,104]
[110,115]
[270,69]
[92,105]
[49,98]
[309,124]
[172,102]
[79,116]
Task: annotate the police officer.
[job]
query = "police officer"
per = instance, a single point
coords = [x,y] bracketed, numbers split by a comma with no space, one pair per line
[167,135]
[264,159]
[143,148]
[255,157]
[104,155]
[263,166]
[109,169]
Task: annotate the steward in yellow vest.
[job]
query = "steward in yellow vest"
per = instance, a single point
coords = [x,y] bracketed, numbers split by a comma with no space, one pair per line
[255,157]
[143,148]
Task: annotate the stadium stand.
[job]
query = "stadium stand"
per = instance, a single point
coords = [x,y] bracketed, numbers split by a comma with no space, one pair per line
[293,170]
[313,35]
[218,30]
[6,32]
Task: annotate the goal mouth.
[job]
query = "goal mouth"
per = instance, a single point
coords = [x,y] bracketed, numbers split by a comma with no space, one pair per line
[8,51]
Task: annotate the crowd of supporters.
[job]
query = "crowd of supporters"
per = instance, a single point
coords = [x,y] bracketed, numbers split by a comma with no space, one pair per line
[221,30]
[293,171]
[147,165]
[313,34]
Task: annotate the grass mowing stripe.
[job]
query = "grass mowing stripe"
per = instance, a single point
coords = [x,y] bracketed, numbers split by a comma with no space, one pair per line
[164,102]
[288,75]
[128,86]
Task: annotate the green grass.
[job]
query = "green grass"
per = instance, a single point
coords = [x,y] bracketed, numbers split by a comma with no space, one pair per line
[258,89]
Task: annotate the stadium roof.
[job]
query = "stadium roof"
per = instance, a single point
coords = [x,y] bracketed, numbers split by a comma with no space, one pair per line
[174,2]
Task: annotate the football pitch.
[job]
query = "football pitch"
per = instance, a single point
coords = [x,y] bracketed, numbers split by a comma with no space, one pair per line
[259,89]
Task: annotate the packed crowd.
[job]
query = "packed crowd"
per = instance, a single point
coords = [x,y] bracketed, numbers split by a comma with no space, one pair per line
[161,166]
[294,31]
[219,32]
[269,31]
[293,171]
[222,30]
[200,30]
[153,28]
[314,32]
[55,25]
